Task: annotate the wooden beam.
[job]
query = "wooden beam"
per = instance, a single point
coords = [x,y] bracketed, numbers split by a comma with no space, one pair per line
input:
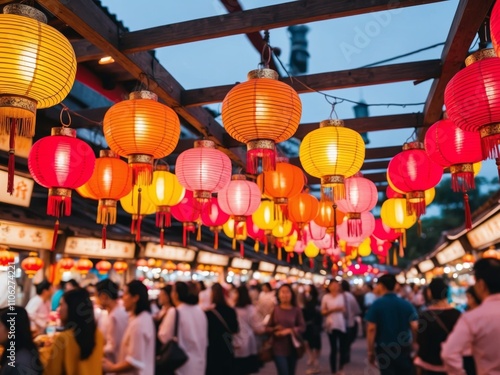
[270,17]
[367,165]
[86,51]
[412,71]
[374,177]
[86,18]
[370,124]
[468,19]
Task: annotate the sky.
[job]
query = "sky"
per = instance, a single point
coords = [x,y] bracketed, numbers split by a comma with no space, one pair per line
[339,44]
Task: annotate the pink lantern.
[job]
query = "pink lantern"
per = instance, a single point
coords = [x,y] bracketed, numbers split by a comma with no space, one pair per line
[240,198]
[187,211]
[368,226]
[313,231]
[203,169]
[214,218]
[384,232]
[257,234]
[361,196]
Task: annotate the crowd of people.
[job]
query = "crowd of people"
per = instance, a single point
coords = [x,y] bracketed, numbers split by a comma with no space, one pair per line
[228,330]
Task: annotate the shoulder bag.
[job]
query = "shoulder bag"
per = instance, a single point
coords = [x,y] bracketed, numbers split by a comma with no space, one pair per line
[171,355]
[297,340]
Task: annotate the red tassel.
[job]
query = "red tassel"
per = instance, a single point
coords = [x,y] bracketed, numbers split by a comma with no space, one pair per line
[216,239]
[242,249]
[266,156]
[497,160]
[279,253]
[288,257]
[463,181]
[325,261]
[58,206]
[468,218]
[266,243]
[138,229]
[54,236]
[184,234]
[12,157]
[354,227]
[103,237]
[335,240]
[311,263]
[132,225]
[419,228]
[162,237]
[491,147]
[300,258]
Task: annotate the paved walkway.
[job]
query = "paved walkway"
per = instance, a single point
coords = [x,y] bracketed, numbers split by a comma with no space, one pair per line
[358,365]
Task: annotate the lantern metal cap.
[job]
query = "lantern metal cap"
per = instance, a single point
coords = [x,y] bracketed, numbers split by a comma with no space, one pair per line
[25,11]
[143,94]
[108,154]
[63,131]
[263,73]
[413,146]
[204,143]
[235,177]
[264,144]
[33,254]
[331,122]
[482,54]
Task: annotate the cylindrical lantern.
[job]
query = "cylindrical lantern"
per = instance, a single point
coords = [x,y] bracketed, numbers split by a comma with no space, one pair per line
[332,153]
[282,184]
[260,113]
[472,99]
[412,171]
[138,204]
[203,169]
[37,70]
[187,211]
[361,196]
[84,265]
[214,218]
[60,163]
[165,191]
[120,266]
[32,264]
[103,267]
[302,209]
[66,264]
[141,129]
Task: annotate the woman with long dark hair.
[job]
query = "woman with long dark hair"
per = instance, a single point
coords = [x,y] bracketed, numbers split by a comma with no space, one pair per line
[78,349]
[314,321]
[20,355]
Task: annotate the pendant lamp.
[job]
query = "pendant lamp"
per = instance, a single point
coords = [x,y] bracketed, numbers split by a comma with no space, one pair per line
[260,113]
[60,163]
[120,266]
[141,129]
[32,264]
[264,216]
[302,209]
[257,234]
[66,264]
[329,216]
[84,265]
[394,214]
[37,70]
[311,251]
[138,204]
[187,211]
[214,218]
[165,191]
[6,257]
[103,267]
[332,153]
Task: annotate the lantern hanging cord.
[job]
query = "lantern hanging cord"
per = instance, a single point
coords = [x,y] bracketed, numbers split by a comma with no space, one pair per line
[61,119]
[70,112]
[413,136]
[265,60]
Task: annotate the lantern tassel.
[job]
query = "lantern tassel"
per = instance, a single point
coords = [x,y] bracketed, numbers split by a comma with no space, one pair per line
[216,239]
[490,147]
[395,257]
[233,244]
[58,206]
[402,244]
[142,174]
[300,258]
[335,240]
[138,229]
[419,228]
[184,234]
[198,233]
[468,218]
[266,156]
[325,261]
[288,257]
[12,157]
[463,181]
[163,217]
[266,244]
[256,246]
[132,225]
[162,237]
[354,227]
[242,249]
[311,263]
[279,253]
[54,236]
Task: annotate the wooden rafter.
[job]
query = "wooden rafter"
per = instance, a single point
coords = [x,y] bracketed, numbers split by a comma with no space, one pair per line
[412,71]
[468,18]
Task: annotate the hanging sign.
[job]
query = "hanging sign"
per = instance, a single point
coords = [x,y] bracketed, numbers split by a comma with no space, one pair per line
[24,236]
[204,257]
[426,265]
[245,264]
[283,269]
[92,248]
[178,253]
[451,252]
[23,189]
[266,267]
[485,233]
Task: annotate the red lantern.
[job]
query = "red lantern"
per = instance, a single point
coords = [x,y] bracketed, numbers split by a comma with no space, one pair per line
[391,193]
[472,99]
[32,264]
[384,232]
[203,169]
[6,257]
[302,209]
[66,264]
[188,213]
[60,163]
[120,266]
[413,172]
[257,234]
[84,265]
[214,218]
[103,267]
[379,247]
[361,196]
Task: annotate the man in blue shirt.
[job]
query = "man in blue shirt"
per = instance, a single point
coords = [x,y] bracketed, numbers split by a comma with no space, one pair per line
[391,326]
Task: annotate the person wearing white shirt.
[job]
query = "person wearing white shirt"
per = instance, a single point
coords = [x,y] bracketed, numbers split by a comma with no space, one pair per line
[192,330]
[137,350]
[333,308]
[478,329]
[38,307]
[205,297]
[116,319]
[267,301]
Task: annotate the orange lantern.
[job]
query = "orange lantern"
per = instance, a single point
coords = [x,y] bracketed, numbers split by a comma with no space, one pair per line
[468,258]
[120,266]
[329,217]
[32,264]
[170,266]
[84,265]
[491,253]
[142,263]
[66,264]
[6,257]
[142,130]
[261,112]
[103,267]
[302,209]
[152,262]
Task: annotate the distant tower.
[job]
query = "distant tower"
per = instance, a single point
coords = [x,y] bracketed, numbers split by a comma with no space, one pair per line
[361,110]
[299,54]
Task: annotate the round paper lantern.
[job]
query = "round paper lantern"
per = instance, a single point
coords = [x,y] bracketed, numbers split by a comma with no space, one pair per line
[257,234]
[6,257]
[384,232]
[84,192]
[491,253]
[282,184]
[120,266]
[367,225]
[103,267]
[264,216]
[235,230]
[165,191]
[37,70]
[468,258]
[203,169]
[187,211]
[495,28]
[364,248]
[32,264]
[332,153]
[213,217]
[391,193]
[379,247]
[302,209]
[280,232]
[260,113]
[152,263]
[324,243]
[138,204]
[60,163]
[472,99]
[412,171]
[329,216]
[141,263]
[311,251]
[84,265]
[361,196]
[111,181]
[66,264]
[395,216]
[314,231]
[141,129]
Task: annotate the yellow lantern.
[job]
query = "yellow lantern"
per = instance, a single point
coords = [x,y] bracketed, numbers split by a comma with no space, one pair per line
[476,167]
[394,214]
[138,204]
[364,249]
[429,194]
[332,153]
[237,231]
[389,182]
[311,251]
[264,216]
[85,192]
[37,70]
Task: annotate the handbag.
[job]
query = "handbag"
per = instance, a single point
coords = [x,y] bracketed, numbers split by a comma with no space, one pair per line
[298,343]
[266,352]
[171,355]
